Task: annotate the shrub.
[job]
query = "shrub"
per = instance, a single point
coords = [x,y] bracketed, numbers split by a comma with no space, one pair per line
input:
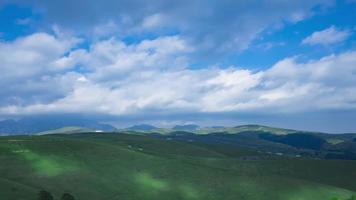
[67,196]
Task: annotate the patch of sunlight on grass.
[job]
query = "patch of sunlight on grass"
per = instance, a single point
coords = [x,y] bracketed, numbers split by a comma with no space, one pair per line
[48,165]
[189,192]
[334,141]
[150,183]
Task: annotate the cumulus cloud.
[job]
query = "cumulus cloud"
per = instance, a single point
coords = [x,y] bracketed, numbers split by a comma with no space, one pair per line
[331,35]
[322,84]
[31,66]
[153,76]
[112,59]
[49,66]
[34,54]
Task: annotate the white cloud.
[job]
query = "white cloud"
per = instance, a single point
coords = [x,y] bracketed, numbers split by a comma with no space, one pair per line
[331,35]
[321,84]
[153,77]
[35,54]
[112,59]
[35,68]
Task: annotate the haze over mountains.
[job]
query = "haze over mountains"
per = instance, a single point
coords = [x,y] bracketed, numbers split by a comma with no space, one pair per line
[42,123]
[35,124]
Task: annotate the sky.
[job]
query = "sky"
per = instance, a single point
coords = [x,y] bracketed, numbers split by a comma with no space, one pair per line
[281,63]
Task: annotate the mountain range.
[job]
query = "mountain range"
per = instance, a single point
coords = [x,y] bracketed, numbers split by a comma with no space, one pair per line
[35,124]
[263,138]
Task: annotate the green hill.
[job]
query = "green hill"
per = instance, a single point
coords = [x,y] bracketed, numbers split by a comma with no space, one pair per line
[246,128]
[207,130]
[293,143]
[108,166]
[67,130]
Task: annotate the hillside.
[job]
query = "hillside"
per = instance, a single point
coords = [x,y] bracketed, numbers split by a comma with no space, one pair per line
[109,166]
[215,129]
[68,130]
[289,142]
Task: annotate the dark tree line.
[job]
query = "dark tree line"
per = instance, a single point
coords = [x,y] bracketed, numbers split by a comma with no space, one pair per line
[44,195]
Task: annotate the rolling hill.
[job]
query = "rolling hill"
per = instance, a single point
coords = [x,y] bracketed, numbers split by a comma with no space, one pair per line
[215,129]
[268,139]
[116,166]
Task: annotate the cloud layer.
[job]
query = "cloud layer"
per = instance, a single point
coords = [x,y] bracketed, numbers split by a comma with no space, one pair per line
[179,60]
[153,76]
[219,27]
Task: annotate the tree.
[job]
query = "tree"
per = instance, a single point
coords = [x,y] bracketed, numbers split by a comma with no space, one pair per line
[44,195]
[67,196]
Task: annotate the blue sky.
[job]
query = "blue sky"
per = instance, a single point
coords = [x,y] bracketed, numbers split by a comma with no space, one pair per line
[280,63]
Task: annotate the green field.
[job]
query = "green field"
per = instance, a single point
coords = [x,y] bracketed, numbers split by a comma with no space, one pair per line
[103,166]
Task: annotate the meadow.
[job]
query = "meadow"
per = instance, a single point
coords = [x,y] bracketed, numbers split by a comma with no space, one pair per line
[113,166]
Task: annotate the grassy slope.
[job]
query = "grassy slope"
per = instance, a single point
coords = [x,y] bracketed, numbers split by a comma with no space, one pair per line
[109,166]
[245,128]
[67,130]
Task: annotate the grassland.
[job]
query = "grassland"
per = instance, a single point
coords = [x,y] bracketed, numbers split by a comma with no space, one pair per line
[102,166]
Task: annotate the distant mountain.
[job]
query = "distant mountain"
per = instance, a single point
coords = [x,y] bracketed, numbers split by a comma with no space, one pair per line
[36,124]
[187,127]
[142,127]
[9,126]
[217,126]
[246,128]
